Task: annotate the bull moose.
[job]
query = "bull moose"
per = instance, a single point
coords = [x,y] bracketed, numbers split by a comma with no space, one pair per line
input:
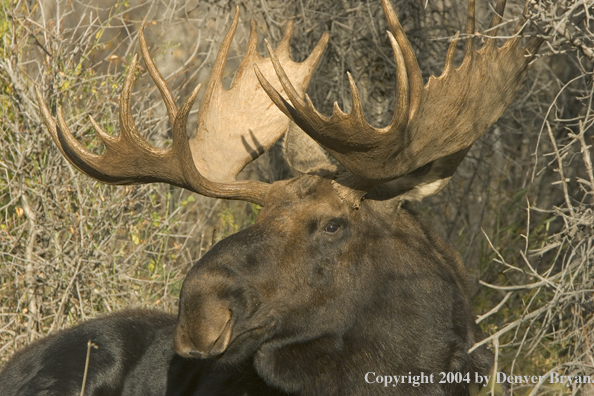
[338,283]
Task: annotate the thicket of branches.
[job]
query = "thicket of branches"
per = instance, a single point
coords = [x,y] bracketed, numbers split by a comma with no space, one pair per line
[519,209]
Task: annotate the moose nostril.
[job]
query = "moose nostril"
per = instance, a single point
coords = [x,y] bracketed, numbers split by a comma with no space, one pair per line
[220,344]
[195,354]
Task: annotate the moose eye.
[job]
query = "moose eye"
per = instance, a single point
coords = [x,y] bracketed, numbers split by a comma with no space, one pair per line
[331,227]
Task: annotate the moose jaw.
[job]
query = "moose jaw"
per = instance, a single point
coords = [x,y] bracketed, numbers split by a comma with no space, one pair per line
[337,277]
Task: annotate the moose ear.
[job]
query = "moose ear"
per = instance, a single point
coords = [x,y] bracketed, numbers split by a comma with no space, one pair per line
[304,155]
[424,182]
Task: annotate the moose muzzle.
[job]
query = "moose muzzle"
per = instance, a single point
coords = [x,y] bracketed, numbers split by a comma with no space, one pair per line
[206,333]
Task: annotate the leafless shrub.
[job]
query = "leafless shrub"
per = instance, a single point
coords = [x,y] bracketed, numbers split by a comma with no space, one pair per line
[546,289]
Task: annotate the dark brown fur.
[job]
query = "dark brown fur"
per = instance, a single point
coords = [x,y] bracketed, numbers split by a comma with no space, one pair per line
[132,355]
[317,310]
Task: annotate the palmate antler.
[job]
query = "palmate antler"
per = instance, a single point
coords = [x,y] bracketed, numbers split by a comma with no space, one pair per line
[433,125]
[234,127]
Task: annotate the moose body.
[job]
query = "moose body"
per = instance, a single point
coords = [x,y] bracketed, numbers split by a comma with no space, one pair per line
[337,279]
[131,355]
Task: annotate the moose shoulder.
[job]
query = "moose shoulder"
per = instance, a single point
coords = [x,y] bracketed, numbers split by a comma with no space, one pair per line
[337,278]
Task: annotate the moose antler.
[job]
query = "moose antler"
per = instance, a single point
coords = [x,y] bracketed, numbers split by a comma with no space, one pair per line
[433,125]
[234,127]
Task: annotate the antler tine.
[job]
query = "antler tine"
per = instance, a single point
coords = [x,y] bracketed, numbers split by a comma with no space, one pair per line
[166,94]
[287,85]
[513,43]
[520,27]
[522,23]
[215,82]
[179,135]
[356,106]
[449,62]
[283,48]
[415,79]
[284,45]
[533,44]
[92,164]
[105,138]
[496,21]
[301,108]
[275,96]
[304,109]
[401,114]
[128,131]
[469,46]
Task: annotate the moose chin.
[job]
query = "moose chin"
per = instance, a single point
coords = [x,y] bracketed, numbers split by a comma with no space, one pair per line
[337,277]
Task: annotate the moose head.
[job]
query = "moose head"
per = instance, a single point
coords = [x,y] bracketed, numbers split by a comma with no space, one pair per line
[338,284]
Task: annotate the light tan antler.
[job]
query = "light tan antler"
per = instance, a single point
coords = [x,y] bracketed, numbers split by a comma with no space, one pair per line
[244,115]
[433,125]
[234,127]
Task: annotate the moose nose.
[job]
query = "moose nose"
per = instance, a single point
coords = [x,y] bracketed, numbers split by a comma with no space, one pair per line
[204,337]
